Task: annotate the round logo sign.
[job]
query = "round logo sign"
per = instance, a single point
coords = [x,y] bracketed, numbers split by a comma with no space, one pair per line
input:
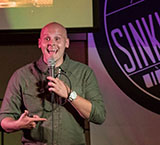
[129,46]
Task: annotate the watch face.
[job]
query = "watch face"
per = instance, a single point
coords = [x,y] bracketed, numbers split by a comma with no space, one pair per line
[73,96]
[128,44]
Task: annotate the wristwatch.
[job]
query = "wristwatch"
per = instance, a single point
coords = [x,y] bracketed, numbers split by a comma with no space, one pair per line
[72,96]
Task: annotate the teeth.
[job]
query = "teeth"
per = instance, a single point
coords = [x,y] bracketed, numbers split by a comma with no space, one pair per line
[52,50]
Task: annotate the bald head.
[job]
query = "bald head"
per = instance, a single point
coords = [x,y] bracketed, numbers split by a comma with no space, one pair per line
[54,25]
[53,41]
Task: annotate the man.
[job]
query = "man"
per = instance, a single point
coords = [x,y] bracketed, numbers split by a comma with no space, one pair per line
[27,103]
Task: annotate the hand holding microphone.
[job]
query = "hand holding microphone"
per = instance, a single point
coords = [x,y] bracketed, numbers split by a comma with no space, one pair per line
[55,84]
[58,86]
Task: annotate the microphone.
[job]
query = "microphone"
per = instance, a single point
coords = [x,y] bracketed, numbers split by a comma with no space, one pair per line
[51,66]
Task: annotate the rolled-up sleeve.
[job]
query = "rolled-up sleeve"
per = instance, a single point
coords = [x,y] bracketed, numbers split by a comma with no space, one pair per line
[12,101]
[93,94]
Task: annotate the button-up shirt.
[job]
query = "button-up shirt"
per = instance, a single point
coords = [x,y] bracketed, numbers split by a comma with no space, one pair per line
[28,90]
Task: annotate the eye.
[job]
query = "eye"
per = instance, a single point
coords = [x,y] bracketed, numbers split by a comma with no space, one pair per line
[57,38]
[47,38]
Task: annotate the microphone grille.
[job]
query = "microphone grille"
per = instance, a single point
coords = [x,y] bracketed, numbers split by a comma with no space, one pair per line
[51,62]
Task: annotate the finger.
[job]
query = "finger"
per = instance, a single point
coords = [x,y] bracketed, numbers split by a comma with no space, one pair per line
[38,119]
[55,80]
[26,111]
[51,90]
[51,84]
[54,89]
[54,86]
[33,124]
[24,114]
[51,78]
[36,116]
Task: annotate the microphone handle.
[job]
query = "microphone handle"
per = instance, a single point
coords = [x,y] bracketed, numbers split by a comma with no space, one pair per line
[51,71]
[52,74]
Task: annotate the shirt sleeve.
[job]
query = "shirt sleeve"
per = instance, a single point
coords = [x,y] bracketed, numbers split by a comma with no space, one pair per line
[93,94]
[12,99]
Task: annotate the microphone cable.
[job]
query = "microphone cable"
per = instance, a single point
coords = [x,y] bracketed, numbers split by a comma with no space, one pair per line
[60,73]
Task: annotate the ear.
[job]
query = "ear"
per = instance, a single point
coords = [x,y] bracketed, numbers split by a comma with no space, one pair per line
[39,43]
[67,43]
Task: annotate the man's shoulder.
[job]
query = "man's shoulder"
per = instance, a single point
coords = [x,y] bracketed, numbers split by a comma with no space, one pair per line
[79,67]
[25,68]
[74,63]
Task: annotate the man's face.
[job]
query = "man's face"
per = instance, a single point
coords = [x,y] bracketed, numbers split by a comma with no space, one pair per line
[53,41]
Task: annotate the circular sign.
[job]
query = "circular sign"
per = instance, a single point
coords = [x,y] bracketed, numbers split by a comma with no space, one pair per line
[129,46]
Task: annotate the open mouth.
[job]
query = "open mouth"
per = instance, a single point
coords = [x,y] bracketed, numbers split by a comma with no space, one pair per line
[51,50]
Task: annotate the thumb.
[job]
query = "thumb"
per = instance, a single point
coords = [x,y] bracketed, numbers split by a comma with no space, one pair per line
[24,114]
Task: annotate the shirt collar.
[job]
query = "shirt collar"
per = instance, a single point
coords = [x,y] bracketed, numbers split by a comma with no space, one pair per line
[65,64]
[44,67]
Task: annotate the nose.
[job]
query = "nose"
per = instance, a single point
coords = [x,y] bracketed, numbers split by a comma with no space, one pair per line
[50,45]
[52,42]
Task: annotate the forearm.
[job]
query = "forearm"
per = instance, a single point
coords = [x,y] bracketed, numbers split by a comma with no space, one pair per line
[83,106]
[9,124]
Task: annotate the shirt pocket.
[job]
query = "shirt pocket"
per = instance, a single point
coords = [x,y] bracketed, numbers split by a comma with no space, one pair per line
[32,102]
